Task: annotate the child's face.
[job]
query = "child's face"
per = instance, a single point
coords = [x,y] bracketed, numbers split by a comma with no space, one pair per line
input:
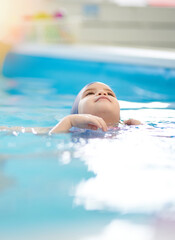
[98,99]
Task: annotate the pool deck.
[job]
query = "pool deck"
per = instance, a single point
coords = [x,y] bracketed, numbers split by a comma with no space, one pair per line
[148,57]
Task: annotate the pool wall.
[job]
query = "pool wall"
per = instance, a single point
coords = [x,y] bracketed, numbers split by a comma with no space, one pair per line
[134,74]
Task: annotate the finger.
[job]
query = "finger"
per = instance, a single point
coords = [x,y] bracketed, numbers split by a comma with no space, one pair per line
[92,127]
[99,122]
[103,124]
[94,123]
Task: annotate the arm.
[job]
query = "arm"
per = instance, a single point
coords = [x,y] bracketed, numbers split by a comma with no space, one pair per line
[86,121]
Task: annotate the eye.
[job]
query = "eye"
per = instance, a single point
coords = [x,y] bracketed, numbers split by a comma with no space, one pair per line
[111,94]
[89,93]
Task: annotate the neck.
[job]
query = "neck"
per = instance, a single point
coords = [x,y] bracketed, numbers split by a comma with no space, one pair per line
[109,120]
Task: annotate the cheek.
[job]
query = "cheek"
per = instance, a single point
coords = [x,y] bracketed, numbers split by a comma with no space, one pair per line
[117,107]
[84,107]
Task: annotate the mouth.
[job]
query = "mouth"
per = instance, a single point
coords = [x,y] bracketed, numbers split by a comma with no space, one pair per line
[102,98]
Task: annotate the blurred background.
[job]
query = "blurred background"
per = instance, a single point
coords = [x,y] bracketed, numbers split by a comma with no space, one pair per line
[131,23]
[38,187]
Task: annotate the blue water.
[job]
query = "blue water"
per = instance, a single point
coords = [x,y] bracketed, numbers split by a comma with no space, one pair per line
[132,82]
[81,186]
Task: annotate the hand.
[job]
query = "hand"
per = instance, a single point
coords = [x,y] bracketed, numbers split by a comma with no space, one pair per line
[87,121]
[132,121]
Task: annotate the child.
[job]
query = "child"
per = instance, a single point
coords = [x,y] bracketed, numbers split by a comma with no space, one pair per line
[96,106]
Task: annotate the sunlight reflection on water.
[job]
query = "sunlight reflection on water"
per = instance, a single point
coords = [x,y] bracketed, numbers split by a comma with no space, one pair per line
[134,166]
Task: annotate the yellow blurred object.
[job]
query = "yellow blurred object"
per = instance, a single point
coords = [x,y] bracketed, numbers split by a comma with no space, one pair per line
[4,48]
[42,15]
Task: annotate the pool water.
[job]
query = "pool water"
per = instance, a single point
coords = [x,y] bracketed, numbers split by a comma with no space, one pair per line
[114,185]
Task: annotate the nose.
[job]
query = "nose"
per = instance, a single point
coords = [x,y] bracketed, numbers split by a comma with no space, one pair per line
[101,92]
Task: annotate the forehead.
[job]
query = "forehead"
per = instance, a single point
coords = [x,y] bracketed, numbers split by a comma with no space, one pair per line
[97,86]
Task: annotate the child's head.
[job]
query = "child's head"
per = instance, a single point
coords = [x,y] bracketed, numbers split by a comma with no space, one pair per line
[97,99]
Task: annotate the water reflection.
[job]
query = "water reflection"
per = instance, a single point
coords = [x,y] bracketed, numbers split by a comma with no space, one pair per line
[123,230]
[5,181]
[132,174]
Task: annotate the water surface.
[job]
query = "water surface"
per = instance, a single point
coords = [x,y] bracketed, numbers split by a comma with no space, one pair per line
[112,185]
